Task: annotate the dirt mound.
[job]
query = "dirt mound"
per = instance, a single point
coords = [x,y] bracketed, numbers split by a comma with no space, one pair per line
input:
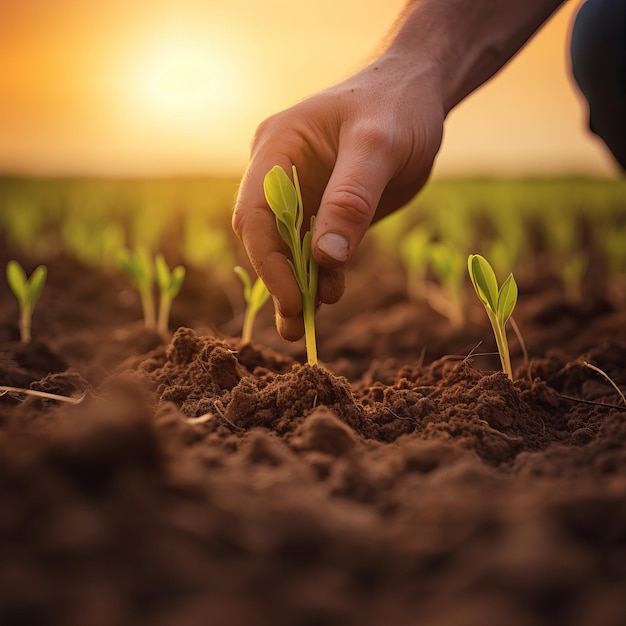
[199,481]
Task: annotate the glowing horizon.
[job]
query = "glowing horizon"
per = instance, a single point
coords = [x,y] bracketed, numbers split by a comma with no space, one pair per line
[135,89]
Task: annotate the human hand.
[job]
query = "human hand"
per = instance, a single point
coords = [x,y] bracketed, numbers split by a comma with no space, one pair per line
[362,148]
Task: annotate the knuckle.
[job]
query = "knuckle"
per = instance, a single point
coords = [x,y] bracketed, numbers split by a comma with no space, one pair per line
[350,203]
[375,138]
[268,125]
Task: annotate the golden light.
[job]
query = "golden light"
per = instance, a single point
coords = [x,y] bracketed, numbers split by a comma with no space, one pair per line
[125,88]
[185,79]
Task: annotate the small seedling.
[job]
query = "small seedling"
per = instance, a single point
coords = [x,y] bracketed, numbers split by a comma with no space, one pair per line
[448,264]
[169,283]
[499,303]
[27,292]
[255,297]
[285,199]
[139,267]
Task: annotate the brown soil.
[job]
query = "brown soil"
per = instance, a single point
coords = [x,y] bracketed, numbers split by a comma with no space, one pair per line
[405,481]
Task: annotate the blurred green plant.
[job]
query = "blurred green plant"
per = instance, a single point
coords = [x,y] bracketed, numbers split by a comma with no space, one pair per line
[169,283]
[27,292]
[23,225]
[498,302]
[93,244]
[565,250]
[448,265]
[415,255]
[285,200]
[142,270]
[205,244]
[139,268]
[255,296]
[573,268]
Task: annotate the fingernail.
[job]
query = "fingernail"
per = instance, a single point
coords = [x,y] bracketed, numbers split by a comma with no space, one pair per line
[334,246]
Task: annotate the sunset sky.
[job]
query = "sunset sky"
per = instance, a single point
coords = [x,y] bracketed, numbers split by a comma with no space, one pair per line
[178,87]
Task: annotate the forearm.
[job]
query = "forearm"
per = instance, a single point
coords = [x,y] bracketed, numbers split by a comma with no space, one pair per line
[465,41]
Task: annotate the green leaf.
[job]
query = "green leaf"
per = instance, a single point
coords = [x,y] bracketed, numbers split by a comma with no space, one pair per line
[285,230]
[26,290]
[285,200]
[499,303]
[299,213]
[414,247]
[306,247]
[128,264]
[484,280]
[163,275]
[281,195]
[507,299]
[36,283]
[138,266]
[169,283]
[244,277]
[176,280]
[442,258]
[259,294]
[145,265]
[16,277]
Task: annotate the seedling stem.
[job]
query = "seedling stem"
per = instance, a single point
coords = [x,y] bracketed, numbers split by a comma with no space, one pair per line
[285,199]
[498,303]
[27,292]
[255,297]
[169,284]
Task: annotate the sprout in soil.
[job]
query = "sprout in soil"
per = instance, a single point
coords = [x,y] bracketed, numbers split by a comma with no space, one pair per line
[285,199]
[255,297]
[139,267]
[169,283]
[448,264]
[27,292]
[499,303]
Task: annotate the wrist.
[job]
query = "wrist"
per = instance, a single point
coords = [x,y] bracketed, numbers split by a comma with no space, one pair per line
[465,42]
[422,42]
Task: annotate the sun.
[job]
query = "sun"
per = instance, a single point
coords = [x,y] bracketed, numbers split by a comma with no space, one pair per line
[181,79]
[184,94]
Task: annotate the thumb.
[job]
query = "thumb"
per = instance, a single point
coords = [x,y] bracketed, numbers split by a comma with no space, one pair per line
[349,203]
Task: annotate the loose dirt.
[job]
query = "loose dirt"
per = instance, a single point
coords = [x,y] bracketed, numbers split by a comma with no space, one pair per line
[404,481]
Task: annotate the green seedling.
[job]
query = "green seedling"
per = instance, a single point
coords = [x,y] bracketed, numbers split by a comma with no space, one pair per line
[255,297]
[169,283]
[285,199]
[448,264]
[27,292]
[498,302]
[139,267]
